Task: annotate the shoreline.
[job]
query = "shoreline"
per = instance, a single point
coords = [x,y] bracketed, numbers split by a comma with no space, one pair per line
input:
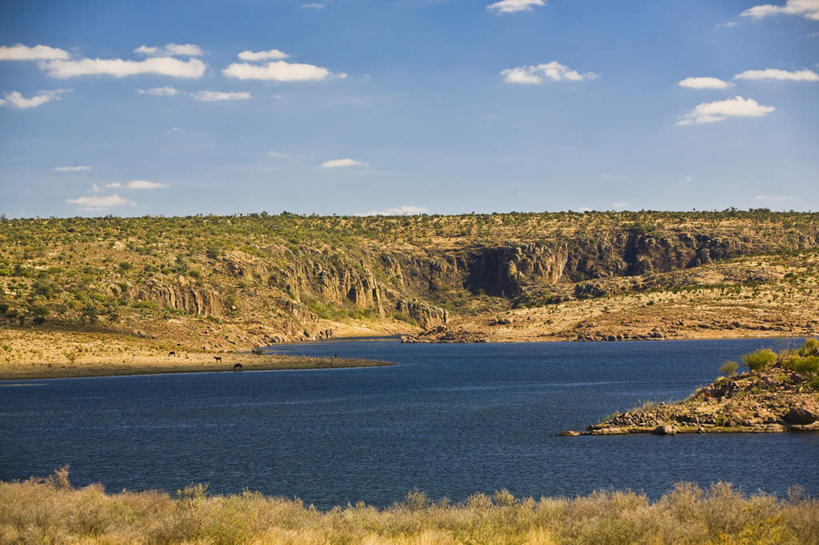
[156,364]
[280,363]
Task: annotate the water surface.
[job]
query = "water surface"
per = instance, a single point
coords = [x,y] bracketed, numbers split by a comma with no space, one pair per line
[447,419]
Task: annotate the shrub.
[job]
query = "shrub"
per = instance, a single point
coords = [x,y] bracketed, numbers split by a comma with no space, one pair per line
[729,368]
[807,366]
[810,348]
[759,360]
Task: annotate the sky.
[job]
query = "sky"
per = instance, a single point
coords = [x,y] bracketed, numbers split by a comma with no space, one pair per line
[181,107]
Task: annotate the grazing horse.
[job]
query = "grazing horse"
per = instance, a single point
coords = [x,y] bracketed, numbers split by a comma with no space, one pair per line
[218,358]
[237,367]
[171,353]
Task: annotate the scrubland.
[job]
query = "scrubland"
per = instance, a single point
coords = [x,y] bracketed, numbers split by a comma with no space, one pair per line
[50,511]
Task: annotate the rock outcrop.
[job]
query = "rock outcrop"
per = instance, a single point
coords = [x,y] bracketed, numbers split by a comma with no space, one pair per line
[752,403]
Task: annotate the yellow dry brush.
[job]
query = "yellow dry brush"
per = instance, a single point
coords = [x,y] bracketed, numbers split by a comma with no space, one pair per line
[50,511]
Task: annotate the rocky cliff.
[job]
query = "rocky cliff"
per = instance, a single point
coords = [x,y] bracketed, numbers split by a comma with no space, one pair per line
[298,275]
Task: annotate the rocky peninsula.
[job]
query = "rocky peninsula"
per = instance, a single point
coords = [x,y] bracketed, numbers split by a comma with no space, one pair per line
[779,393]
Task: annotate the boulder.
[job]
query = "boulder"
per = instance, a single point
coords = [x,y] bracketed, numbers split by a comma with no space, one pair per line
[665,429]
[799,416]
[568,433]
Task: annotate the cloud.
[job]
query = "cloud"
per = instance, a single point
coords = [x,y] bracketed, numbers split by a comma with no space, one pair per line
[773,73]
[99,203]
[16,100]
[118,68]
[252,56]
[170,50]
[313,5]
[705,83]
[279,71]
[37,53]
[135,184]
[218,96]
[514,6]
[712,112]
[536,74]
[339,163]
[620,205]
[78,168]
[277,154]
[808,9]
[404,210]
[159,91]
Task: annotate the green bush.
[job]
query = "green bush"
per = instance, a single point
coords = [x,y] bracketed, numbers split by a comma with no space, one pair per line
[729,368]
[810,348]
[807,366]
[759,360]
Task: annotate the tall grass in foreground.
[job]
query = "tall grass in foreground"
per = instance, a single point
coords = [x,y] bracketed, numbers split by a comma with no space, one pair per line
[50,511]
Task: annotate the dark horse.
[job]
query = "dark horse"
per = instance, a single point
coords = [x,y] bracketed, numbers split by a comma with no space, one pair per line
[171,353]
[218,358]
[237,367]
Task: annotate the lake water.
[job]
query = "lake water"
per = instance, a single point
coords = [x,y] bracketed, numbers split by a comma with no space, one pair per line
[450,420]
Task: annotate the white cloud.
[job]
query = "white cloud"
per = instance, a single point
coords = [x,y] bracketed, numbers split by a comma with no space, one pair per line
[36,53]
[808,9]
[620,205]
[514,6]
[163,66]
[404,210]
[313,5]
[99,203]
[536,74]
[170,50]
[16,100]
[705,83]
[277,154]
[253,56]
[218,96]
[279,71]
[339,163]
[159,91]
[78,168]
[711,112]
[135,184]
[773,73]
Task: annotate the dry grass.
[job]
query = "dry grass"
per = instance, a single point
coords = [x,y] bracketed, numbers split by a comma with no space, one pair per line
[50,511]
[54,353]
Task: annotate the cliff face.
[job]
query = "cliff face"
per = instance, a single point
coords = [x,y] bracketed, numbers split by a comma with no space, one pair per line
[296,274]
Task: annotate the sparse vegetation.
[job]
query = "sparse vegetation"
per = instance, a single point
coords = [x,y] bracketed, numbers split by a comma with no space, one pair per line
[760,360]
[230,283]
[39,511]
[729,368]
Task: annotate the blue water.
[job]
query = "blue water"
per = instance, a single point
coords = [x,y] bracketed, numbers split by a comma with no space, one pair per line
[450,420]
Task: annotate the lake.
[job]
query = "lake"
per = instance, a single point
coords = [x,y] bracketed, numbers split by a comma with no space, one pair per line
[450,420]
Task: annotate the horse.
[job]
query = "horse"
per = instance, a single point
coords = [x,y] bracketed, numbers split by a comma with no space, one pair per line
[218,358]
[171,353]
[237,367]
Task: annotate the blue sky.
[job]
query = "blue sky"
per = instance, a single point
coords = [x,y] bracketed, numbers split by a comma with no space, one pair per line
[441,106]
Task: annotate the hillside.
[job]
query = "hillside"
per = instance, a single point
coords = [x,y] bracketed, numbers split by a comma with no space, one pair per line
[234,282]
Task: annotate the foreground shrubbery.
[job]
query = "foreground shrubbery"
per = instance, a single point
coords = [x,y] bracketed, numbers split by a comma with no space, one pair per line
[50,511]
